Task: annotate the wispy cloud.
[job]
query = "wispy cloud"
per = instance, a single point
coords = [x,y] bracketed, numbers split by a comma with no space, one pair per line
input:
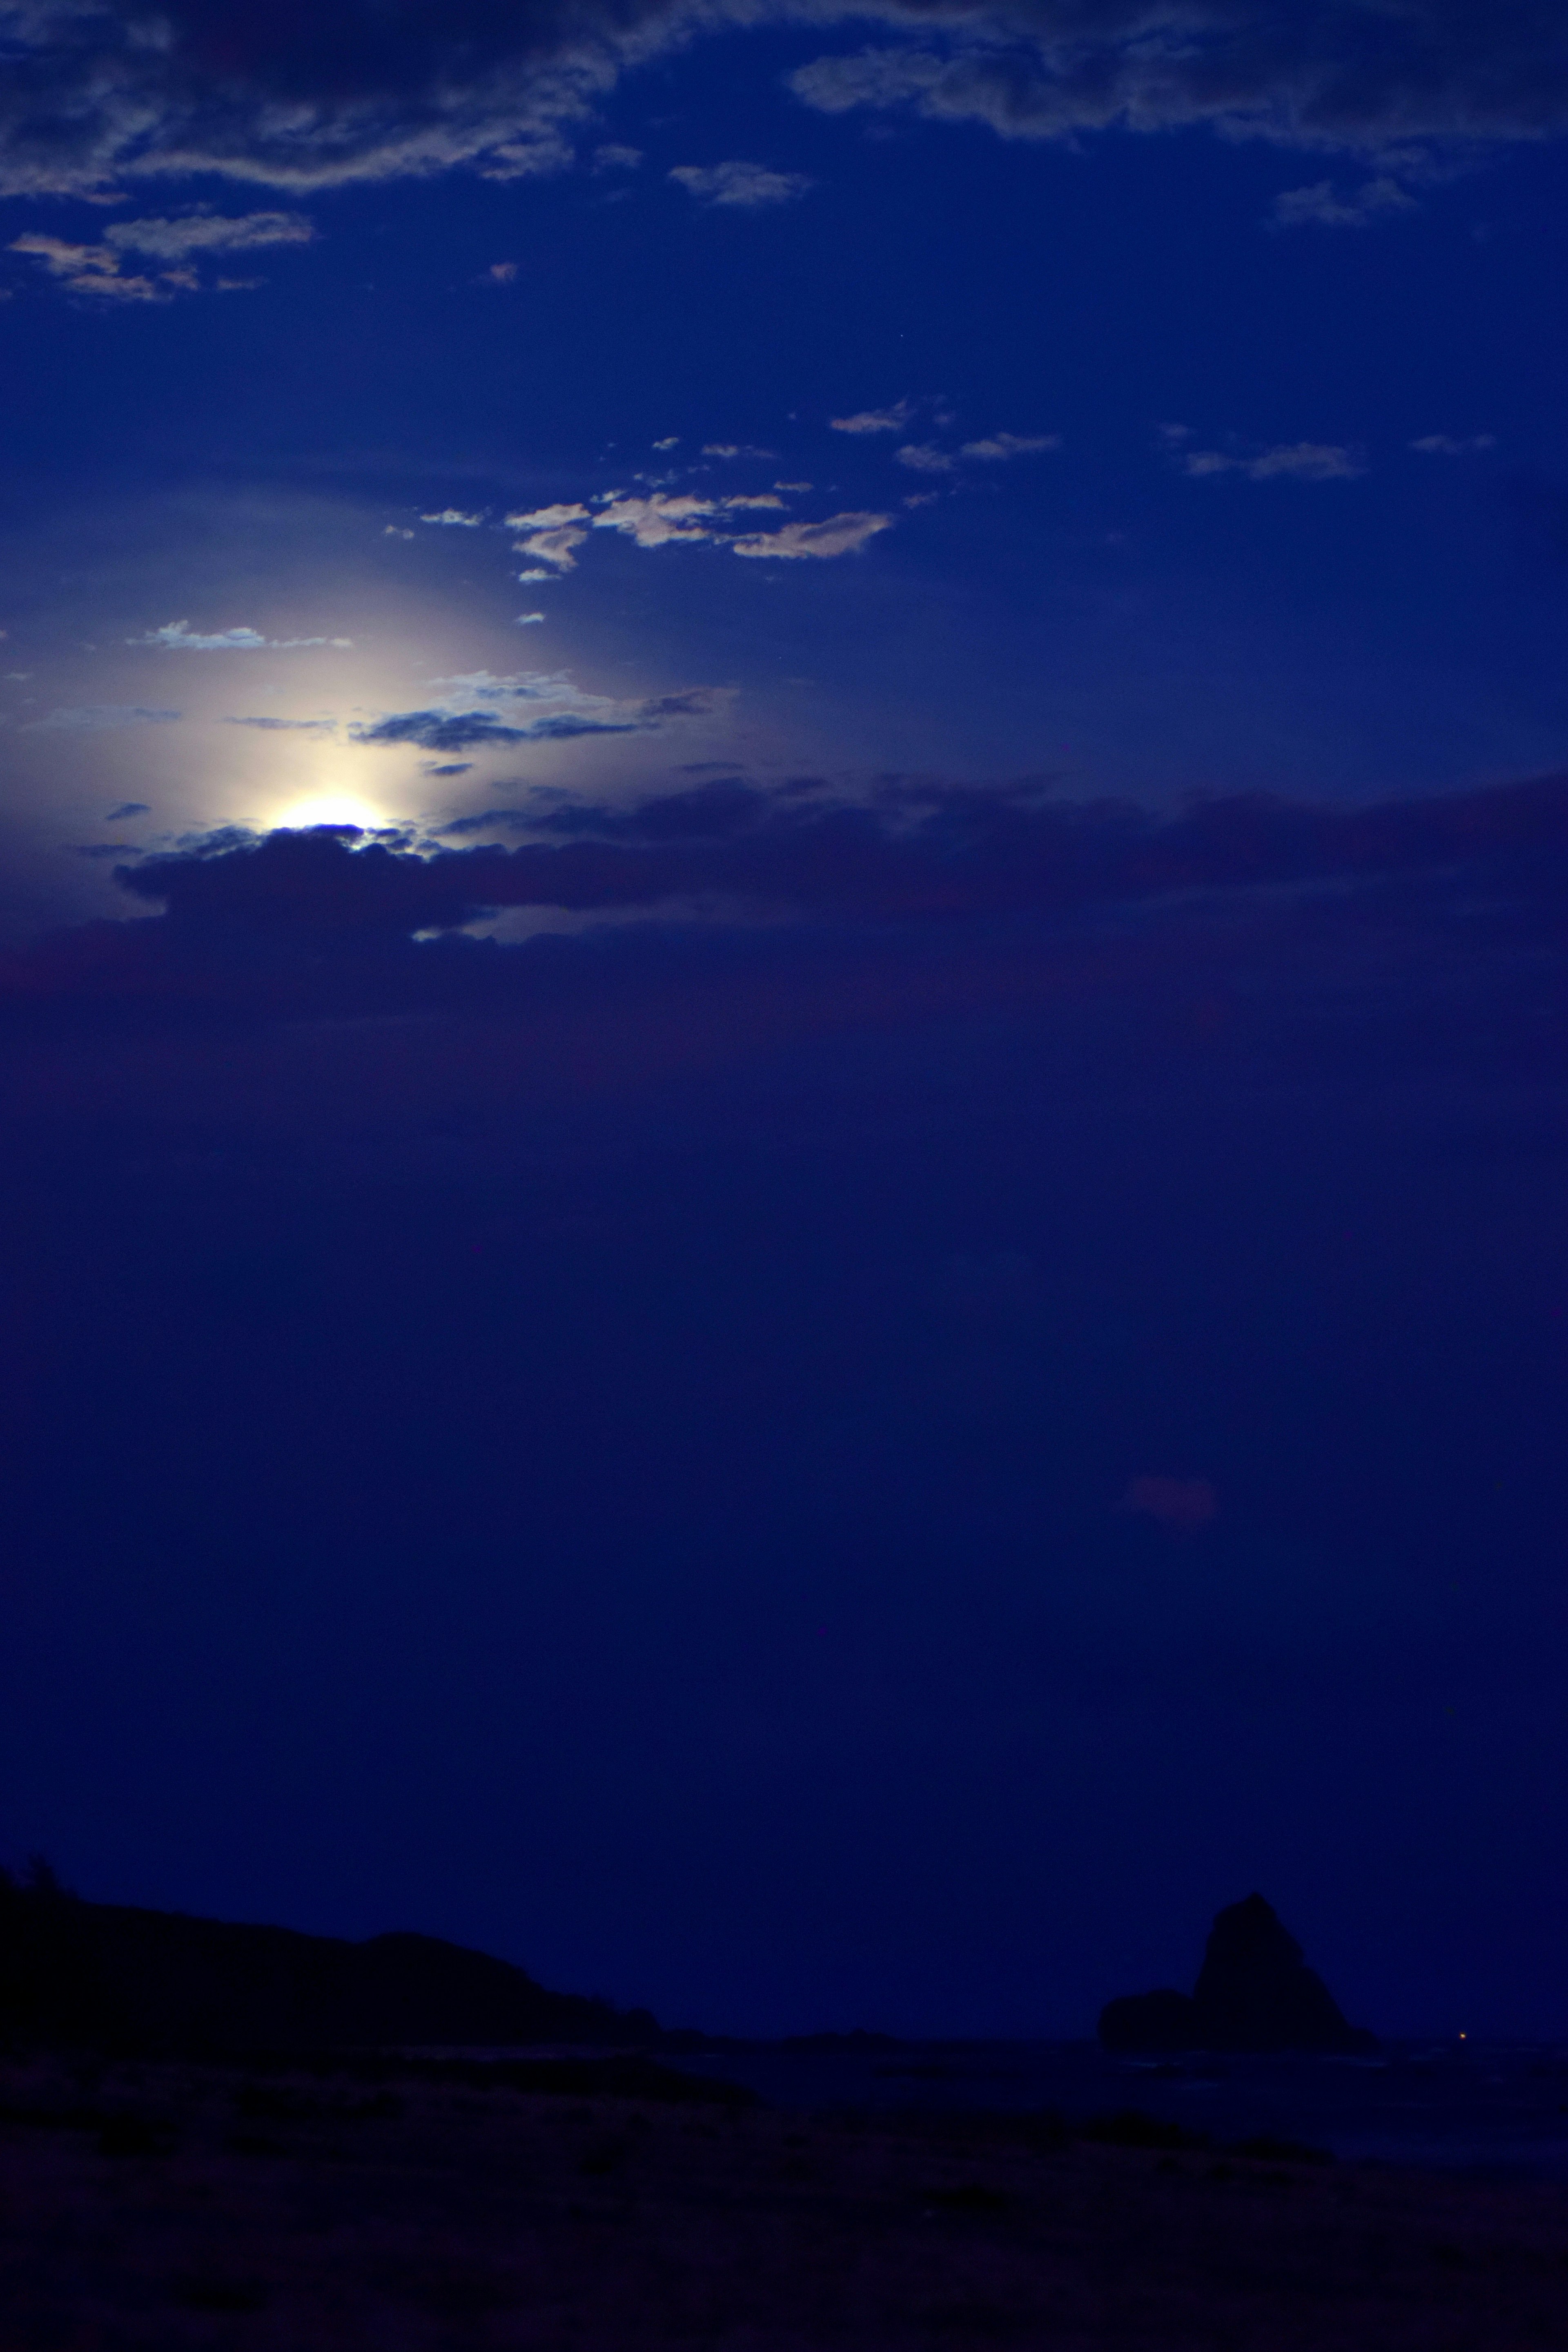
[1449,445]
[923,457]
[177,636]
[287,725]
[552,536]
[173,240]
[97,270]
[1301,461]
[842,535]
[94,715]
[736,183]
[999,447]
[875,420]
[1320,206]
[454,518]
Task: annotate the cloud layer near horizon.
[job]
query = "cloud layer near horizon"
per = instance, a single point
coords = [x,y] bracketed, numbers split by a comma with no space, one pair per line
[932,903]
[105,90]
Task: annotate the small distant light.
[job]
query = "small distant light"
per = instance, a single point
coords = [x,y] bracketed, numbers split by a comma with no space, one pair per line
[1464,2037]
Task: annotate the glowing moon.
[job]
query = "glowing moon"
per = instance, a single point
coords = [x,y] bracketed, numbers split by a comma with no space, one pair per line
[330,808]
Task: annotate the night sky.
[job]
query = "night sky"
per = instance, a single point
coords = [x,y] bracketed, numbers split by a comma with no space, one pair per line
[784,845]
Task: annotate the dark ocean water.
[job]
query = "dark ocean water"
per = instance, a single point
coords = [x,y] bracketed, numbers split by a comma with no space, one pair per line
[1494,2109]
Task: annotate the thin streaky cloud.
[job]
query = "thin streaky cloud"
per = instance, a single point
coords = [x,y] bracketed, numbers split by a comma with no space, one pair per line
[738,184]
[842,535]
[1301,461]
[999,447]
[177,636]
[1320,206]
[892,419]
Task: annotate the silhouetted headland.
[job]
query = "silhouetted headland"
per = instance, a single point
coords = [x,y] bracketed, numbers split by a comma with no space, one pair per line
[1255,1992]
[112,1975]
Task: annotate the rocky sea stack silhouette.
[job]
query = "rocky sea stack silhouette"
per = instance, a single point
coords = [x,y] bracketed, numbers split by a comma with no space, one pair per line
[1255,1992]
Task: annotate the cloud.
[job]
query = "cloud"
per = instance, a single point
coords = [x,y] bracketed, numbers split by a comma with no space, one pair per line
[732,449]
[658,521]
[454,518]
[1301,461]
[614,157]
[172,240]
[1360,77]
[441,731]
[395,530]
[1446,445]
[96,268]
[528,620]
[546,518]
[748,185]
[101,92]
[94,715]
[670,441]
[457,726]
[554,533]
[446,767]
[1319,206]
[999,447]
[177,636]
[287,725]
[842,535]
[535,573]
[503,272]
[89,269]
[126,810]
[875,420]
[922,458]
[1184,1504]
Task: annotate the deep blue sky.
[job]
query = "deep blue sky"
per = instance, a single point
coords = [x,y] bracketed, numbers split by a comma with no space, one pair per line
[869,1301]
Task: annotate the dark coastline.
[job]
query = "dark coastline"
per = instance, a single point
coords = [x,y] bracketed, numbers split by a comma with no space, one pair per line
[167,2205]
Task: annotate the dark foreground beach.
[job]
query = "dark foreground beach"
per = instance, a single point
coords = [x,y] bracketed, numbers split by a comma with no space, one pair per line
[161,2206]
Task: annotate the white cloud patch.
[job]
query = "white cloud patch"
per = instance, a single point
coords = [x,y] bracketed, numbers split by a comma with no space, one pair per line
[92,716]
[454,520]
[1301,461]
[670,441]
[923,457]
[875,420]
[749,186]
[658,521]
[395,530]
[998,446]
[173,240]
[528,620]
[177,636]
[1449,445]
[98,269]
[614,157]
[554,535]
[842,535]
[1320,206]
[734,449]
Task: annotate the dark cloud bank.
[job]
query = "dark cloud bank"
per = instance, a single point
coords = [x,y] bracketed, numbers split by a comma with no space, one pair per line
[295,97]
